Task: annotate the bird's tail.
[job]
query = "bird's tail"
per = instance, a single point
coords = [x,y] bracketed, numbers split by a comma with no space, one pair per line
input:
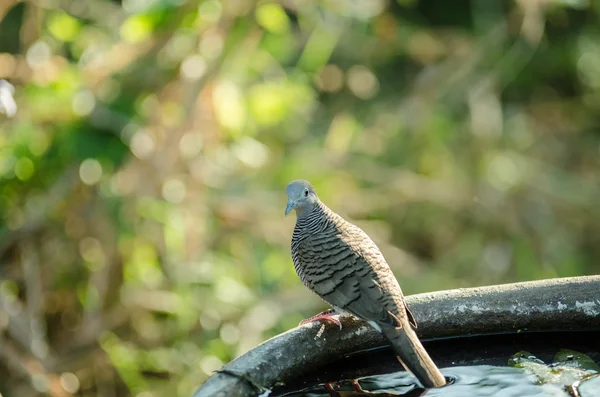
[412,354]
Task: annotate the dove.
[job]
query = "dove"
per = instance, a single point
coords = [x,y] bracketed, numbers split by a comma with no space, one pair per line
[340,263]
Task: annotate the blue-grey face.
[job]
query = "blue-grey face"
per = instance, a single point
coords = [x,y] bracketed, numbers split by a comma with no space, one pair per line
[301,196]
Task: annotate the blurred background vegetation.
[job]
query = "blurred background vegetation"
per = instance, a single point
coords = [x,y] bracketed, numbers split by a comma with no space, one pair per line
[142,178]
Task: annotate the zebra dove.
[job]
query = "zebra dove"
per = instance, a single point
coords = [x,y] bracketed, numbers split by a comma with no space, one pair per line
[341,264]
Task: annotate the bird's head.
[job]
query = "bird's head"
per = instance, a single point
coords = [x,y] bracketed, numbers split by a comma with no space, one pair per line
[301,197]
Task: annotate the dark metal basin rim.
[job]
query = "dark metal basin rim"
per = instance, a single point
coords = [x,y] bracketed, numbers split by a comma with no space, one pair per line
[565,304]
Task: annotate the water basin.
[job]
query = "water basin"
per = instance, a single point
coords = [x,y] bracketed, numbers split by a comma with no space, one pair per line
[477,366]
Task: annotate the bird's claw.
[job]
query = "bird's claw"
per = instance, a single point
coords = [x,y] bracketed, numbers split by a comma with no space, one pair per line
[330,387]
[326,316]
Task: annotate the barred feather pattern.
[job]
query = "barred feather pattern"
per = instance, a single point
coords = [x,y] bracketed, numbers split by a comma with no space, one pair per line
[341,264]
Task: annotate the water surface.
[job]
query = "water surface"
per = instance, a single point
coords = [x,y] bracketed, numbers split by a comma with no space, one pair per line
[478,365]
[474,381]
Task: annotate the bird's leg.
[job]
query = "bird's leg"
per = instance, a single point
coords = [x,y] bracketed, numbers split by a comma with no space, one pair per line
[327,315]
[330,387]
[356,386]
[331,390]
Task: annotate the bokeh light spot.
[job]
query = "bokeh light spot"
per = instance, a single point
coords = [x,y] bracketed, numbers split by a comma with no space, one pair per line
[83,103]
[209,364]
[211,45]
[193,67]
[24,168]
[7,163]
[251,152]
[141,144]
[210,319]
[273,18]
[210,11]
[136,29]
[39,382]
[9,290]
[588,66]
[63,26]
[330,78]
[502,172]
[174,191]
[38,54]
[363,9]
[190,144]
[230,333]
[91,250]
[69,382]
[229,105]
[8,105]
[90,171]
[362,82]
[39,144]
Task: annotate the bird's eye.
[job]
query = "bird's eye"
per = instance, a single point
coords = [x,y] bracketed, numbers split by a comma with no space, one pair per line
[305,192]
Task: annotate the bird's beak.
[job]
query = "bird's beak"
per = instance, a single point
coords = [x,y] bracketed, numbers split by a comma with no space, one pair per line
[290,206]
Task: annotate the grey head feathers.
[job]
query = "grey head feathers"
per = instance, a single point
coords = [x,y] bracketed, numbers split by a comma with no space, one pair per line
[302,197]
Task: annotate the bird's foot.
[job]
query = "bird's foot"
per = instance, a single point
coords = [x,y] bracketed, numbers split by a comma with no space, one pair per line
[356,386]
[327,315]
[331,387]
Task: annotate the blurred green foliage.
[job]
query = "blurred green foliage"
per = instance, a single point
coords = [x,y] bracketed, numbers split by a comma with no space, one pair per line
[142,236]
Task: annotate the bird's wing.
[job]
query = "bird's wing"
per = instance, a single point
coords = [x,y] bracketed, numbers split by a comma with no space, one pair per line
[348,271]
